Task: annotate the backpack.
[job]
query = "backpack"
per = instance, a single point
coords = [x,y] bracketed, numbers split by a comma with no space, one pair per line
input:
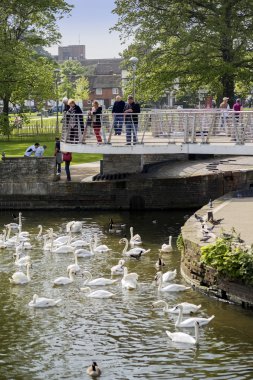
[67,156]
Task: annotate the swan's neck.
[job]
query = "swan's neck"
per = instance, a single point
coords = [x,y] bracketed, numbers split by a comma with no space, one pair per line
[197,332]
[76,262]
[95,241]
[170,239]
[9,233]
[28,273]
[71,276]
[40,232]
[131,233]
[180,316]
[160,283]
[126,246]
[89,277]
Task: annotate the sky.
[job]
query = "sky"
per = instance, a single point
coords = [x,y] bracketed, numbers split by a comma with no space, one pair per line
[89,25]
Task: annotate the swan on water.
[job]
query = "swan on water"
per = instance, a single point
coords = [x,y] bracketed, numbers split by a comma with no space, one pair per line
[181,337]
[134,239]
[188,308]
[75,267]
[101,293]
[160,263]
[79,243]
[167,248]
[74,226]
[101,281]
[133,252]
[119,268]
[81,252]
[2,240]
[19,278]
[43,301]
[101,248]
[169,275]
[93,370]
[65,280]
[129,280]
[190,322]
[171,287]
[20,261]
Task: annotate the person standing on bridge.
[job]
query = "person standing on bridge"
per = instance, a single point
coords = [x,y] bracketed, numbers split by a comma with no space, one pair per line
[224,107]
[74,120]
[131,111]
[96,113]
[118,117]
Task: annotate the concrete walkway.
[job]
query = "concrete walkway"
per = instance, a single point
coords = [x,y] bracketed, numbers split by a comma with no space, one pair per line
[82,172]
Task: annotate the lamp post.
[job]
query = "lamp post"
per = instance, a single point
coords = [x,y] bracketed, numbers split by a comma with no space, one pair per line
[56,73]
[134,61]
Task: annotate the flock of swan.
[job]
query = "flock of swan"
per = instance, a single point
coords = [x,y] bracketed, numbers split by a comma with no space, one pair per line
[15,238]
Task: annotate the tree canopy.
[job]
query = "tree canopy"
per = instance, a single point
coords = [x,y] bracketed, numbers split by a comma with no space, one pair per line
[26,26]
[192,43]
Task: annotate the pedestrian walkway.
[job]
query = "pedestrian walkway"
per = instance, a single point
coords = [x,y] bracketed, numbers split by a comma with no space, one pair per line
[82,172]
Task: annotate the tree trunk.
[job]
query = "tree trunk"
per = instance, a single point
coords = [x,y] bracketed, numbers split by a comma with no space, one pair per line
[5,124]
[228,85]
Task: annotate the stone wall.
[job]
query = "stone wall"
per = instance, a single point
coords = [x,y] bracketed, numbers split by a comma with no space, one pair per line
[27,169]
[135,192]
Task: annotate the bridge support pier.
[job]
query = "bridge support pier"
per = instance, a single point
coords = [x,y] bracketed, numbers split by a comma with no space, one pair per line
[129,163]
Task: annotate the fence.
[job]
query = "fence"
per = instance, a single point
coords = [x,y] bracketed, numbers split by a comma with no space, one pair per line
[159,127]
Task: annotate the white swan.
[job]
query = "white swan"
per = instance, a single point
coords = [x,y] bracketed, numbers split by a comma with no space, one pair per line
[167,248]
[19,278]
[183,337]
[188,308]
[101,281]
[43,302]
[81,252]
[20,261]
[101,248]
[64,248]
[48,242]
[101,293]
[190,322]
[134,239]
[75,267]
[169,275]
[65,280]
[2,240]
[129,280]
[171,287]
[74,226]
[133,252]
[119,268]
[79,243]
[93,370]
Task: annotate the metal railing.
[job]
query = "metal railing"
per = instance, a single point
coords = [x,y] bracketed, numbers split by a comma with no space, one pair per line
[161,127]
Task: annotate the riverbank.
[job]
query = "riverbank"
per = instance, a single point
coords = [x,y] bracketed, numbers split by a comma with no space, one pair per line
[235,213]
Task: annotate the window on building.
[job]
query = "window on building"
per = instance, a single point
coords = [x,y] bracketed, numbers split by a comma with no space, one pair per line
[115,91]
[98,91]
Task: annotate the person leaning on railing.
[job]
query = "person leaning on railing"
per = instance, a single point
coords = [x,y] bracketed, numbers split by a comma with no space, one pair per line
[131,111]
[96,113]
[118,117]
[74,120]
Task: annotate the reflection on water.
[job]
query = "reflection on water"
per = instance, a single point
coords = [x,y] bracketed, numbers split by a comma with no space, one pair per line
[124,334]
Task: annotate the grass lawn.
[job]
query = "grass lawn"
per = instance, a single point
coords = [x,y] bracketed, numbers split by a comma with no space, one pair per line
[17,149]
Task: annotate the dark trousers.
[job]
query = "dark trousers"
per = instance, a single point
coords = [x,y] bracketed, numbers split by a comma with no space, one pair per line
[67,165]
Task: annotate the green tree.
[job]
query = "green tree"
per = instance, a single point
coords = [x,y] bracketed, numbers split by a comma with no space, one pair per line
[82,89]
[193,43]
[24,26]
[71,72]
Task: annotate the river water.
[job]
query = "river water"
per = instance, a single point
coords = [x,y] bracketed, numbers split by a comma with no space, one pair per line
[124,334]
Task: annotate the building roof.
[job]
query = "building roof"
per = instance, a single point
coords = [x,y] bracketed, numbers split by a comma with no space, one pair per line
[105,81]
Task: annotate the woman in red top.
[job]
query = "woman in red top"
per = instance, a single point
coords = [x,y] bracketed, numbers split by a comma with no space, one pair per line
[237,107]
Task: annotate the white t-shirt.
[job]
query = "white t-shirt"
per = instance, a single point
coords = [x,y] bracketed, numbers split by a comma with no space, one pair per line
[39,151]
[30,150]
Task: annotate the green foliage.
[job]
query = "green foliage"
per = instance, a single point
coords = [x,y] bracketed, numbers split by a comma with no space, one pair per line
[180,243]
[74,83]
[193,44]
[229,259]
[26,26]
